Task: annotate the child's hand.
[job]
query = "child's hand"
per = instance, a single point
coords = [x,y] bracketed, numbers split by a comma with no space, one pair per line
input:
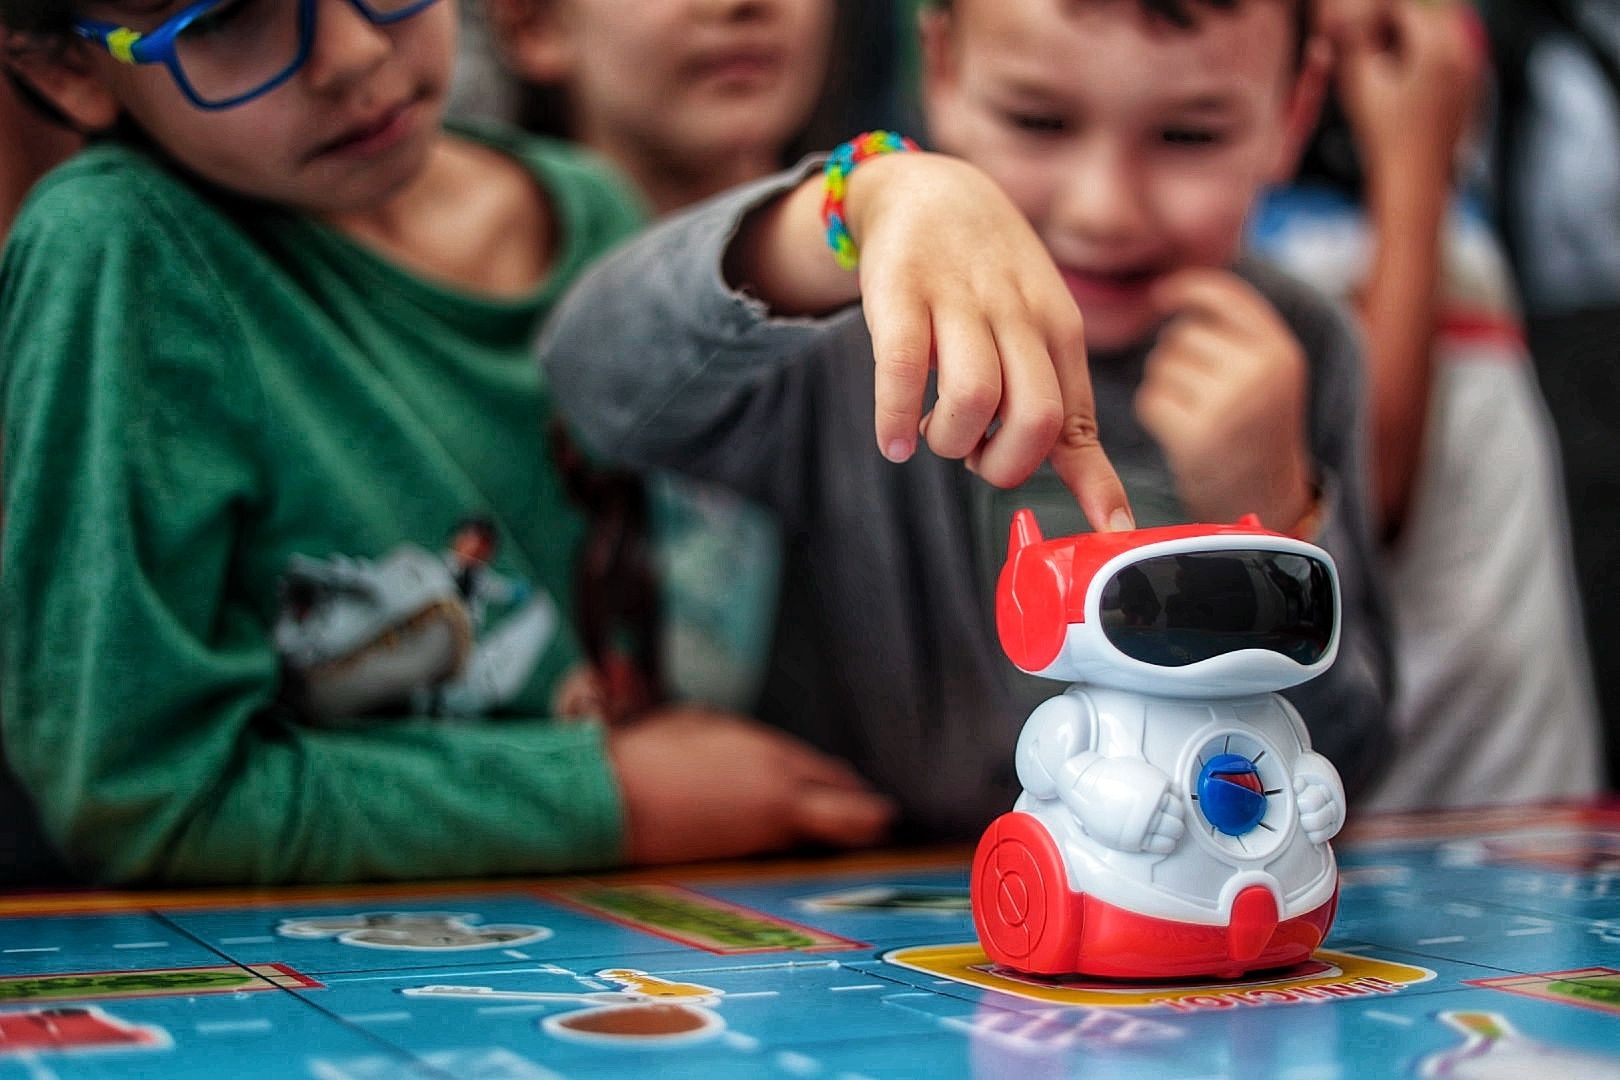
[953,277]
[1224,394]
[702,784]
[1409,79]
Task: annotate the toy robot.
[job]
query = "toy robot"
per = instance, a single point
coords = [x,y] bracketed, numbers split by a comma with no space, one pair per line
[1174,820]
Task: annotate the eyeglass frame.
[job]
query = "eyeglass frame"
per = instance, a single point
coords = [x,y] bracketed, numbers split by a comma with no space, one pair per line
[157,46]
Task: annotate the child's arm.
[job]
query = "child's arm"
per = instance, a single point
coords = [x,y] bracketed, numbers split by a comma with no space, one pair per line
[659,364]
[1408,91]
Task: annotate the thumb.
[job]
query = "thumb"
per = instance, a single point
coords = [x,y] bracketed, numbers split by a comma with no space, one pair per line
[841,817]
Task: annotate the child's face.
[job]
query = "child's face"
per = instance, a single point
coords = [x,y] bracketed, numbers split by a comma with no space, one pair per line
[349,129]
[681,81]
[1135,147]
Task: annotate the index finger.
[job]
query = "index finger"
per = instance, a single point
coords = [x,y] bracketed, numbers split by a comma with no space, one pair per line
[1078,455]
[902,342]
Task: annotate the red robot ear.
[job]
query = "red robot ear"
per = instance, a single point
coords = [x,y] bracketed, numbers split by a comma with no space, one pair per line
[1031,598]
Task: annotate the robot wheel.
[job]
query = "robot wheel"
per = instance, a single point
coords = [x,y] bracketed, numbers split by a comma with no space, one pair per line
[1026,915]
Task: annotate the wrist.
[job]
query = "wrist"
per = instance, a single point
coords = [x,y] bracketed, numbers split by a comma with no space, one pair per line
[847,186]
[1409,188]
[779,257]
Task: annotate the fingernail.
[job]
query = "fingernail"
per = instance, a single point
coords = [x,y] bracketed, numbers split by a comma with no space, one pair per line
[1121,520]
[897,451]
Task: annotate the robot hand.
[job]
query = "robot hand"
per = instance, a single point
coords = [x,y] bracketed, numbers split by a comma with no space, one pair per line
[1320,796]
[1123,802]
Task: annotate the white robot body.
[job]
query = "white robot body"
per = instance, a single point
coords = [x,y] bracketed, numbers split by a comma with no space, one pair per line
[1197,880]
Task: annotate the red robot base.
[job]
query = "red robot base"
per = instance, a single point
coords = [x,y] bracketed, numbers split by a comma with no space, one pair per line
[1174,821]
[1029,919]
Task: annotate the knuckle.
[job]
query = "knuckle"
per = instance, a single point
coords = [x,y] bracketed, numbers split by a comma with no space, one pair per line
[974,396]
[1079,432]
[1044,422]
[896,415]
[906,363]
[1067,322]
[1002,474]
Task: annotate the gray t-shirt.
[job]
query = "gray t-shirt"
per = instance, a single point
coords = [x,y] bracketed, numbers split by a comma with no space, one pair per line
[885,650]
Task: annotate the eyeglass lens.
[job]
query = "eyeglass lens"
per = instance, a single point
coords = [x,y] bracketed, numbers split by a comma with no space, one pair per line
[242,46]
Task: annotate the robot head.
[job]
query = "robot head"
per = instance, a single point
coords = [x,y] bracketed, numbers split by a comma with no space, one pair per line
[1184,611]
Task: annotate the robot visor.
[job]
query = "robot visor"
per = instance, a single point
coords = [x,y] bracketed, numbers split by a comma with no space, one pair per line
[1175,610]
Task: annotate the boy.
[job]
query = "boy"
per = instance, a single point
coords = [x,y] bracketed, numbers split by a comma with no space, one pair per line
[1133,137]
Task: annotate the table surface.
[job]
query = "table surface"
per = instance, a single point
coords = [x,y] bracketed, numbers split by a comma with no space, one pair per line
[1468,944]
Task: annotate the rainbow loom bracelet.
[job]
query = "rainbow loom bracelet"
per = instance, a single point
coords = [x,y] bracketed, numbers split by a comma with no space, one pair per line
[839,166]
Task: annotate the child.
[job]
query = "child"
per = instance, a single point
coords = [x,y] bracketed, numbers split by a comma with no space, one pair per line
[1133,138]
[687,97]
[1474,535]
[287,566]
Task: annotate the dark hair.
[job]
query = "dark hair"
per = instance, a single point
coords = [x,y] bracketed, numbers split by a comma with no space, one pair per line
[33,25]
[42,19]
[1180,14]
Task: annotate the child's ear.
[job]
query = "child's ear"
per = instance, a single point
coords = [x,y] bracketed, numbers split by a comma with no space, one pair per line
[533,38]
[936,33]
[65,79]
[1304,107]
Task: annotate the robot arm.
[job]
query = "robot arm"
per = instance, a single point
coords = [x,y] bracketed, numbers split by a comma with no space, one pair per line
[1056,731]
[1124,803]
[1318,791]
[1320,796]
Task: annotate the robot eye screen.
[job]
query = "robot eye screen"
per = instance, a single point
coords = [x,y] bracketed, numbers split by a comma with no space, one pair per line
[1176,610]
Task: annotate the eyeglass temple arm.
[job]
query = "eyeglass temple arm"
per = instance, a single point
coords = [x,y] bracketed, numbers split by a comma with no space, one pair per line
[123,43]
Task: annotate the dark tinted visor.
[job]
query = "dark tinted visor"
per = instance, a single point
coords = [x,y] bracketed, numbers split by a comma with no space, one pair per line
[1176,610]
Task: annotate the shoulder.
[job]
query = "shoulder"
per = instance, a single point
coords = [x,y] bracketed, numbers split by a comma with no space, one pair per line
[112,276]
[103,194]
[111,222]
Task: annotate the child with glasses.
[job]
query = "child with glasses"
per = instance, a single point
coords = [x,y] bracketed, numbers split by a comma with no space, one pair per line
[289,571]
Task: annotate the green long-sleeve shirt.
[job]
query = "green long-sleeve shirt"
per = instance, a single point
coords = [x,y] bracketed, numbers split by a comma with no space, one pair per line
[247,633]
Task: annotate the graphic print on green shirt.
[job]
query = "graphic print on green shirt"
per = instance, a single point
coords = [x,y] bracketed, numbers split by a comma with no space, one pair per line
[412,632]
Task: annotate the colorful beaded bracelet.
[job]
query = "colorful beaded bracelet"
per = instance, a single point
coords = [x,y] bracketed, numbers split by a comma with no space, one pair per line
[839,166]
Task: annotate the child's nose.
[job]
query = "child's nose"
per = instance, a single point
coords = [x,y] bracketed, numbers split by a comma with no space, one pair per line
[1102,197]
[347,47]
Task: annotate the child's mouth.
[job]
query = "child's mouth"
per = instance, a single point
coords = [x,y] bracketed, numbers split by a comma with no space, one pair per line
[751,66]
[374,135]
[1108,286]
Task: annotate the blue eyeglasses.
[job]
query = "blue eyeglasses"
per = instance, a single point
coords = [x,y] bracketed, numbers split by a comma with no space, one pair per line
[226,52]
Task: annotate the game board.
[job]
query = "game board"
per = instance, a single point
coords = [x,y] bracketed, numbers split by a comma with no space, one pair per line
[1482,944]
